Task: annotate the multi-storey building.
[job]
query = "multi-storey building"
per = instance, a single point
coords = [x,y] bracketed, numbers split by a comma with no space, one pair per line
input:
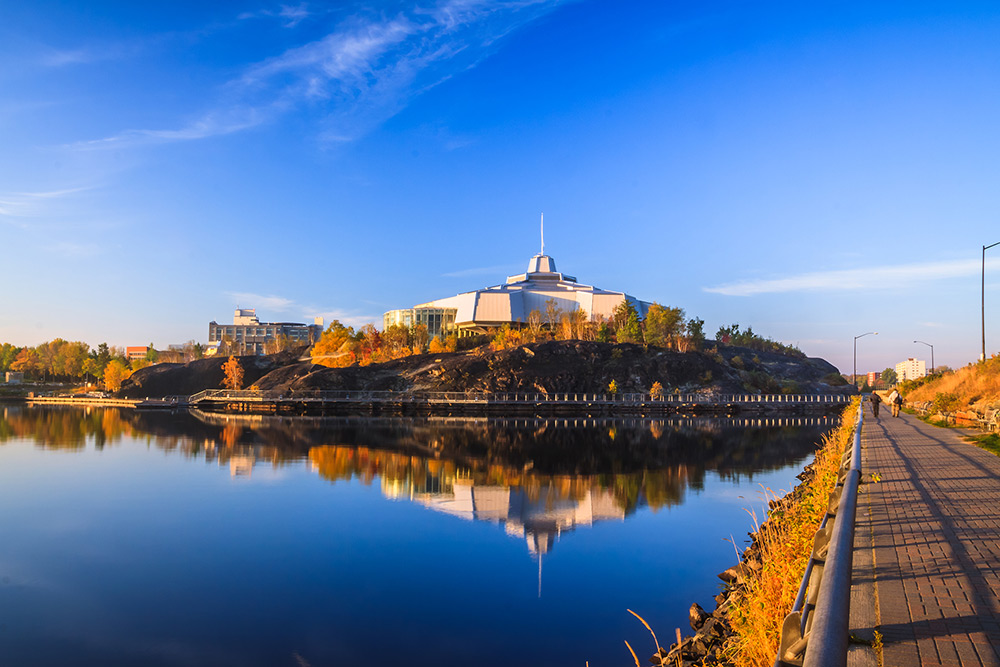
[248,335]
[911,369]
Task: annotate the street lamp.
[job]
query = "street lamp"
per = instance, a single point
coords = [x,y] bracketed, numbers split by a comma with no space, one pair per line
[932,353]
[870,333]
[985,248]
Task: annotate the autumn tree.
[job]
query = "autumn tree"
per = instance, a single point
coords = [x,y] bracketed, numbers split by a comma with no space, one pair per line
[579,324]
[115,373]
[395,340]
[695,334]
[436,345]
[28,362]
[8,353]
[335,347]
[370,341]
[534,324]
[552,314]
[656,391]
[233,374]
[419,338]
[506,338]
[603,333]
[664,326]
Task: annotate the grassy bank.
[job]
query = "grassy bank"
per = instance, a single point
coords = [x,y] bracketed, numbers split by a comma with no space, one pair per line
[976,386]
[988,441]
[779,554]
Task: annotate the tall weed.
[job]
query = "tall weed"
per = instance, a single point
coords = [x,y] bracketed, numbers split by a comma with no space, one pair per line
[785,542]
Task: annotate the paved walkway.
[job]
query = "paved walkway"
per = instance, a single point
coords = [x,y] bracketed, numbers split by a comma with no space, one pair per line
[930,530]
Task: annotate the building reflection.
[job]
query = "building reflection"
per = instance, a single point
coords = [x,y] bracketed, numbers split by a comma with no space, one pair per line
[535,507]
[537,478]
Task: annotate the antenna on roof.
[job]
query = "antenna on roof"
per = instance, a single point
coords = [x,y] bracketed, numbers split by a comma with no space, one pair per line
[543,235]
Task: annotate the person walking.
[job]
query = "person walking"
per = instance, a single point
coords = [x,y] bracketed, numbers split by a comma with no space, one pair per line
[897,403]
[876,400]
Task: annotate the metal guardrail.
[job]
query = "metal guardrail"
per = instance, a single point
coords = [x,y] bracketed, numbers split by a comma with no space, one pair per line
[816,632]
[509,397]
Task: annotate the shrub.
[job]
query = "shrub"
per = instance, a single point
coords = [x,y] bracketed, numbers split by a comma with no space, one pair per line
[944,402]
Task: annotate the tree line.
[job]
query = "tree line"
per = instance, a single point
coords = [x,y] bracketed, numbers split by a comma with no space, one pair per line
[74,361]
[341,345]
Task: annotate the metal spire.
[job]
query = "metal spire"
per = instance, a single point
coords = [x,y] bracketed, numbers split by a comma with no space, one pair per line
[543,235]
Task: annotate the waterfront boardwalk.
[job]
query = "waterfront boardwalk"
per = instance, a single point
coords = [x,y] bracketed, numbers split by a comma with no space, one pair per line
[930,530]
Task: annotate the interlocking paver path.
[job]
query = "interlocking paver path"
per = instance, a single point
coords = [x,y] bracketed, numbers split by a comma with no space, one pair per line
[933,524]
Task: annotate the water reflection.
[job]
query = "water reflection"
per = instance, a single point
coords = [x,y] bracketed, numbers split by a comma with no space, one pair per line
[321,564]
[537,478]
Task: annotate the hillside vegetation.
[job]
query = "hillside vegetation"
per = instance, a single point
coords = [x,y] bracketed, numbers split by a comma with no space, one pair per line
[973,387]
[552,366]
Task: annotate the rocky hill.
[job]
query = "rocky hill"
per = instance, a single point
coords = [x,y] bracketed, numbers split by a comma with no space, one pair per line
[555,366]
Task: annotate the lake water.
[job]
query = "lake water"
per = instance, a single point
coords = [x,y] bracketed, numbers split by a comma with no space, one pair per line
[131,538]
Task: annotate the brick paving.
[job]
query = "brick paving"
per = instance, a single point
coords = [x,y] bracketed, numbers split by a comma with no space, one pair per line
[933,524]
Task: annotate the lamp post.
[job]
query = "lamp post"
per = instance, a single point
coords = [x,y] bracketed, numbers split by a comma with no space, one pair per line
[983,293]
[932,353]
[870,333]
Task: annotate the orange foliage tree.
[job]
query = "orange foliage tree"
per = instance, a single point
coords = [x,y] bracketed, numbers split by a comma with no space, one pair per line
[336,347]
[233,374]
[115,373]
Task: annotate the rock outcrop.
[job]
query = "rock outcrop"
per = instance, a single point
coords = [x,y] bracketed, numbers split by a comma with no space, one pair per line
[550,367]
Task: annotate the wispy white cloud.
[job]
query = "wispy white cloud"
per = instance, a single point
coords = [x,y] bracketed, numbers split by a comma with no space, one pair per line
[846,280]
[357,76]
[75,250]
[278,304]
[351,319]
[500,271]
[16,207]
[271,303]
[290,15]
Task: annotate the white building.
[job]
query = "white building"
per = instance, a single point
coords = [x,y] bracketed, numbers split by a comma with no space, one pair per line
[512,302]
[911,369]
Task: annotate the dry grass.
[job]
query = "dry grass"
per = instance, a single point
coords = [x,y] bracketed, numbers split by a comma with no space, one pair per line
[785,542]
[975,385]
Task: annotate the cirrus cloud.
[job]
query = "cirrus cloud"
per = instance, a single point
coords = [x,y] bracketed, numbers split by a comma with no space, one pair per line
[846,280]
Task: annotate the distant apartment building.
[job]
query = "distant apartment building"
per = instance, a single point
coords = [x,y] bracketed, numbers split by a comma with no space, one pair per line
[873,377]
[134,352]
[911,369]
[248,335]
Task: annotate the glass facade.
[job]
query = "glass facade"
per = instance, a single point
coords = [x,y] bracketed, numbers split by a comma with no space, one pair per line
[439,321]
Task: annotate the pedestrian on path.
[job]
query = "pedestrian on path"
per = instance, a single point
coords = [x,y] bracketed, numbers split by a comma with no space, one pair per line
[876,400]
[896,401]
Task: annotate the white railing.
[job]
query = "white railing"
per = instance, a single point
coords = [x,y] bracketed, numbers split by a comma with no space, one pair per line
[341,396]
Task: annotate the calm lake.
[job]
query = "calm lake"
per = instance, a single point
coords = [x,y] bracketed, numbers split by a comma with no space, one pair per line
[131,538]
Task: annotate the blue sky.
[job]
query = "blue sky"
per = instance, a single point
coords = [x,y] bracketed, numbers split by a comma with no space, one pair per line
[816,171]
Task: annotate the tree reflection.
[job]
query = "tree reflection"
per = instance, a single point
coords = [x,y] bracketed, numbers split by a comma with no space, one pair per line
[538,478]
